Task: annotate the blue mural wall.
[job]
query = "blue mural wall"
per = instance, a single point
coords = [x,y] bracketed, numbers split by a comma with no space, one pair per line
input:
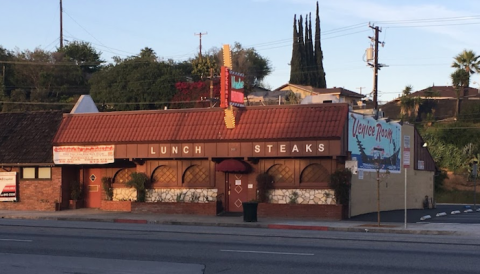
[374,143]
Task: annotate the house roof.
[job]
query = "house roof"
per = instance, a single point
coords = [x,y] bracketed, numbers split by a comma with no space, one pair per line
[286,122]
[27,137]
[444,92]
[334,90]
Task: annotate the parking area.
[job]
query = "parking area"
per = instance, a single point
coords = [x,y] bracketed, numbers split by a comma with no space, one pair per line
[462,214]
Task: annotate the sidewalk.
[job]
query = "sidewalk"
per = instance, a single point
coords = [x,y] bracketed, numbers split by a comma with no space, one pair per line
[237,221]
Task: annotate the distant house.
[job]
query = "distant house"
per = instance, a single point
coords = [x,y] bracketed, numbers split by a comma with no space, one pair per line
[326,95]
[440,101]
[256,96]
[26,161]
[278,96]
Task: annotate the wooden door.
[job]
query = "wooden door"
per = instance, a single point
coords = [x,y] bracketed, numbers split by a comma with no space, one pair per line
[93,188]
[237,191]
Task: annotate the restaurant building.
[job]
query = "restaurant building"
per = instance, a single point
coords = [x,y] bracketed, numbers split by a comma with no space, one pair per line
[211,156]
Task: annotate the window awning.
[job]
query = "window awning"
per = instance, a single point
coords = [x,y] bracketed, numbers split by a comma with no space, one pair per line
[233,166]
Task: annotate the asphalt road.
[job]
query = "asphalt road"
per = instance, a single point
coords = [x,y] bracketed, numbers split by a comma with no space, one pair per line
[34,246]
[414,215]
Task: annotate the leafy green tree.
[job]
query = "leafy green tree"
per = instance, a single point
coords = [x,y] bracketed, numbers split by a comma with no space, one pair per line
[202,66]
[83,55]
[137,82]
[247,61]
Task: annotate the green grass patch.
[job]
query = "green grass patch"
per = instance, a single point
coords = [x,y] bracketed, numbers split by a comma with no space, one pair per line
[455,197]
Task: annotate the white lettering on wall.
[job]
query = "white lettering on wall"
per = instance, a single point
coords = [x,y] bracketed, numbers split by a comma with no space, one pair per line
[283,148]
[257,148]
[295,148]
[163,150]
[198,149]
[174,150]
[185,149]
[151,150]
[321,147]
[308,148]
[269,148]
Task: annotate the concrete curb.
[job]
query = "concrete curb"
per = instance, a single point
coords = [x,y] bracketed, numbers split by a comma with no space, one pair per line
[364,229]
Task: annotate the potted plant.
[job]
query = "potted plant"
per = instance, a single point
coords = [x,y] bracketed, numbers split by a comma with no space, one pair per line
[138,180]
[75,194]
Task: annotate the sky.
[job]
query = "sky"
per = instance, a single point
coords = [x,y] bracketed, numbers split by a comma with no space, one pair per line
[421,37]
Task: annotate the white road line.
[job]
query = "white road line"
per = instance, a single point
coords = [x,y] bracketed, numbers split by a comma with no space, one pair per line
[15,240]
[268,252]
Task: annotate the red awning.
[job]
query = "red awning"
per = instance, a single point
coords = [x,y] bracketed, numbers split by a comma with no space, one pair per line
[233,166]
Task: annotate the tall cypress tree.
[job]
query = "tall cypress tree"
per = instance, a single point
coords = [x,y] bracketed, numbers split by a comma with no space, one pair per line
[312,63]
[295,62]
[303,57]
[321,82]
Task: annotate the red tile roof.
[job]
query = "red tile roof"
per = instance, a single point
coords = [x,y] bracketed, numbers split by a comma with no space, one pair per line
[322,121]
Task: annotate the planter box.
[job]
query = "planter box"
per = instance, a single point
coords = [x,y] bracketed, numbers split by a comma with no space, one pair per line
[74,204]
[125,206]
[326,212]
[176,208]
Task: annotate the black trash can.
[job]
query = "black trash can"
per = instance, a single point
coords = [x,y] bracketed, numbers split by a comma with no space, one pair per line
[250,211]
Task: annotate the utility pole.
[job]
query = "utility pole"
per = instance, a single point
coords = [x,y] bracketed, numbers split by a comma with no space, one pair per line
[211,87]
[61,25]
[376,67]
[360,88]
[200,35]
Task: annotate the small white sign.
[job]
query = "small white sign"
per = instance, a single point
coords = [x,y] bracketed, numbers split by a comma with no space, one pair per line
[406,159]
[250,185]
[238,182]
[421,165]
[352,165]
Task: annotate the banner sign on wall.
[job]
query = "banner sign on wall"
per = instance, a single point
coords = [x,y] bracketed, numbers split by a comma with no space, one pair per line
[75,155]
[8,186]
[374,144]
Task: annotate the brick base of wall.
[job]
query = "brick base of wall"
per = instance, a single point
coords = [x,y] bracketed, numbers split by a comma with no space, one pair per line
[328,212]
[176,208]
[125,206]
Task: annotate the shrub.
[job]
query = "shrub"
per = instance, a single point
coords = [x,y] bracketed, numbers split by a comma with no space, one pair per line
[75,190]
[264,184]
[138,180]
[107,188]
[340,182]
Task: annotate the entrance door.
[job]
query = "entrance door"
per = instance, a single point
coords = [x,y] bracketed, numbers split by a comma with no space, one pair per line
[237,191]
[93,188]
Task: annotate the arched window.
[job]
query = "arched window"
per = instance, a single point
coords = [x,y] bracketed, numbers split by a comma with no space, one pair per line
[122,176]
[195,175]
[281,174]
[164,176]
[314,173]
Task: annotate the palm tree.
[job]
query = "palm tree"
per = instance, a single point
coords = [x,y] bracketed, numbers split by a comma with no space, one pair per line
[460,79]
[467,60]
[406,102]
